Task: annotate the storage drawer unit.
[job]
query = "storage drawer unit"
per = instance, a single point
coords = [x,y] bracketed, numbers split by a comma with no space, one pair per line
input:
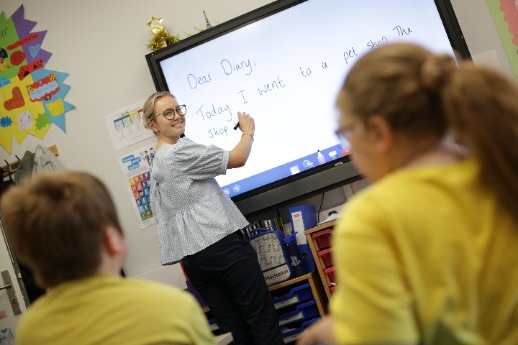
[330,276]
[325,257]
[293,333]
[302,312]
[322,239]
[294,316]
[298,294]
[299,302]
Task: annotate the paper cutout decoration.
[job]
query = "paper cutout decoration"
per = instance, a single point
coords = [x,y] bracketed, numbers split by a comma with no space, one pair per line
[505,16]
[31,97]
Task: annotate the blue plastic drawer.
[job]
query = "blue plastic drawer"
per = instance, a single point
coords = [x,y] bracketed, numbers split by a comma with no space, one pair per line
[213,325]
[296,295]
[292,334]
[303,311]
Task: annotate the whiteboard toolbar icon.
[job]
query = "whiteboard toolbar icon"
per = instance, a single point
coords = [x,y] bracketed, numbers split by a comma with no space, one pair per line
[294,169]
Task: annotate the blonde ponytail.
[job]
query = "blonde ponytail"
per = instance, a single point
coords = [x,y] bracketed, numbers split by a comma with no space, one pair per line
[482,110]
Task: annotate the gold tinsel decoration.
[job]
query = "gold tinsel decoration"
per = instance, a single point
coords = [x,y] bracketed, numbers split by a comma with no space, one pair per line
[161,38]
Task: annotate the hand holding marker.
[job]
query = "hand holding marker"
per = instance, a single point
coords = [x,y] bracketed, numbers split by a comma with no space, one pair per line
[246,123]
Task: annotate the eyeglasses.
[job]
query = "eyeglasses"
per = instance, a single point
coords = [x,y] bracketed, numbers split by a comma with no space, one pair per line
[169,114]
[344,133]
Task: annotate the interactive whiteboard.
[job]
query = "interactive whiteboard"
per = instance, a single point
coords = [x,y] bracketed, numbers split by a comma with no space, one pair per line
[285,68]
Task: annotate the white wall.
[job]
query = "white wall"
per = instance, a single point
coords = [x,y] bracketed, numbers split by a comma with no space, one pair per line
[102,45]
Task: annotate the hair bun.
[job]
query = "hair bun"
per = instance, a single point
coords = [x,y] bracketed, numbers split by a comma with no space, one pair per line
[436,70]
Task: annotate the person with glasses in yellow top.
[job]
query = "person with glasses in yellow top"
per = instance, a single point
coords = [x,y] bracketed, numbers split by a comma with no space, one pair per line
[199,225]
[427,253]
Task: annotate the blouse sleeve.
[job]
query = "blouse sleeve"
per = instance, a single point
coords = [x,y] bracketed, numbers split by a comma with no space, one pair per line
[201,162]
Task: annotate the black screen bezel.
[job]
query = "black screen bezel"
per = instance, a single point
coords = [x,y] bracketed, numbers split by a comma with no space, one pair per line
[320,178]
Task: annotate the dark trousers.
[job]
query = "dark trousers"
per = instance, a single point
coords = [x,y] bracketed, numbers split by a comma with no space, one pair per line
[228,277]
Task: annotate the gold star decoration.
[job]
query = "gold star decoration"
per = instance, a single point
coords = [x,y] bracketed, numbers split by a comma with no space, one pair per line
[161,37]
[155,24]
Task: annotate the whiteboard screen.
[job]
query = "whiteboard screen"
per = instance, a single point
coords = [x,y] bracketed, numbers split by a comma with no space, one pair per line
[285,68]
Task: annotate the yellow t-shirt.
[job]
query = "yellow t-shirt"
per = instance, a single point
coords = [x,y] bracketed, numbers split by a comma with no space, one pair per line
[112,310]
[426,255]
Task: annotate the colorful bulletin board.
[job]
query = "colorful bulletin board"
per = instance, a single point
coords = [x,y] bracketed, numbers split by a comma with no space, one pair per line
[31,96]
[505,15]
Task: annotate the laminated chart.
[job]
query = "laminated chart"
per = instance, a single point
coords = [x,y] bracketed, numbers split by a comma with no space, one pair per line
[32,98]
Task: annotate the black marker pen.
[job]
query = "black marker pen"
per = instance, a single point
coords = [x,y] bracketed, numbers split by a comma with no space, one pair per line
[236,126]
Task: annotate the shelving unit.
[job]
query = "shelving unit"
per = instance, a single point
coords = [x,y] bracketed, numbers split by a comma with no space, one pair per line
[316,289]
[299,302]
[319,240]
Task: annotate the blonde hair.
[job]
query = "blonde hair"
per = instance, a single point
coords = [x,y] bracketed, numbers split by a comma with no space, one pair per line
[148,110]
[420,93]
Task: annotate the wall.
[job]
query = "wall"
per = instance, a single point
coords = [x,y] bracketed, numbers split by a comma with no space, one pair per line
[102,44]
[481,34]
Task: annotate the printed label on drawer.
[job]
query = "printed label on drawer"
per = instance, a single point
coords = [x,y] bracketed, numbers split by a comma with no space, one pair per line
[291,338]
[298,316]
[287,302]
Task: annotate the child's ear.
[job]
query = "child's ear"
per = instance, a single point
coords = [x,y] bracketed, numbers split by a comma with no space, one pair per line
[114,241]
[381,133]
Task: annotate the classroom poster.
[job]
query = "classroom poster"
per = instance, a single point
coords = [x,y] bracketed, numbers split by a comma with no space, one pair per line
[125,127]
[505,16]
[135,169]
[31,97]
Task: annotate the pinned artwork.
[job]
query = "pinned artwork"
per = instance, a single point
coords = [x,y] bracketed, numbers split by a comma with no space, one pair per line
[505,16]
[31,97]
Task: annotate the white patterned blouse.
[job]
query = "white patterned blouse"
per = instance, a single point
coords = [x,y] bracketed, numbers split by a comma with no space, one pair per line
[188,204]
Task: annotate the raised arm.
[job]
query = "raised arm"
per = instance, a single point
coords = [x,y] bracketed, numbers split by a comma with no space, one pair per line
[240,153]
